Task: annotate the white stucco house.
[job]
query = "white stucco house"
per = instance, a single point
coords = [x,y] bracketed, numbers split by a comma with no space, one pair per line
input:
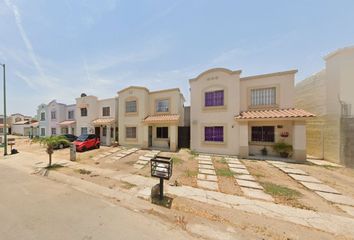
[237,115]
[56,118]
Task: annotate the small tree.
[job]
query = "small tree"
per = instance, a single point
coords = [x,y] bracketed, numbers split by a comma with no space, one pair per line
[51,143]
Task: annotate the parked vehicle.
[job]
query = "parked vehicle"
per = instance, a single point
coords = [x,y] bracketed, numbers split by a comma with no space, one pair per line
[87,141]
[70,137]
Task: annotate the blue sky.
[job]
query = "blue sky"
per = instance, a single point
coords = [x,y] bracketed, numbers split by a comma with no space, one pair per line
[59,49]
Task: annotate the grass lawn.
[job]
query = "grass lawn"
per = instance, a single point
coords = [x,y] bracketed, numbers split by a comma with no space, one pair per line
[280,191]
[224,172]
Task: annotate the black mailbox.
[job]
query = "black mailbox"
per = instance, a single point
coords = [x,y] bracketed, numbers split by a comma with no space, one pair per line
[161,167]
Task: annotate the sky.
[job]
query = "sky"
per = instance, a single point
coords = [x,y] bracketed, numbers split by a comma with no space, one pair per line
[60,49]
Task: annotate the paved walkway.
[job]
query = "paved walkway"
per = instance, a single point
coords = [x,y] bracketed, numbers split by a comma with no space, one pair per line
[248,184]
[206,177]
[322,221]
[313,184]
[144,160]
[323,163]
[123,153]
[106,154]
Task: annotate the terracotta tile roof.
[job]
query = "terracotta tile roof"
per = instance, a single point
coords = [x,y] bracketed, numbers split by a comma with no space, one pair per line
[21,122]
[166,118]
[274,113]
[103,121]
[2,125]
[67,122]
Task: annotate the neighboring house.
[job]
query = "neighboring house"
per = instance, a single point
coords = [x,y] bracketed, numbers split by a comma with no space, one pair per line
[329,94]
[25,128]
[150,119]
[2,124]
[56,118]
[97,116]
[240,116]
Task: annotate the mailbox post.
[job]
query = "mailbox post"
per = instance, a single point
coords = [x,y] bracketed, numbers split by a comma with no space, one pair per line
[72,152]
[161,167]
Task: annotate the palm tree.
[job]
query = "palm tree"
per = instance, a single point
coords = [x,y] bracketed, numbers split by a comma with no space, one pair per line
[52,143]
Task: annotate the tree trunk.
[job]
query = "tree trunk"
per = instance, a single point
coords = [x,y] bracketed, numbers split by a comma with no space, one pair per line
[50,160]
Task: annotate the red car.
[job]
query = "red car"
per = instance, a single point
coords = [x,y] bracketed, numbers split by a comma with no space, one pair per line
[87,141]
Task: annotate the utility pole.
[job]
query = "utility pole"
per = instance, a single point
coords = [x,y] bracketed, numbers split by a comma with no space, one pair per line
[5,117]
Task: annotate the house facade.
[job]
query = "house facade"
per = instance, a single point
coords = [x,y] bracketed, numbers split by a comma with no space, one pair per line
[56,118]
[150,119]
[97,116]
[329,94]
[237,115]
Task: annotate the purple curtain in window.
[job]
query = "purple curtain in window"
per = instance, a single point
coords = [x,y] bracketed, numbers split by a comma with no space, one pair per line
[214,134]
[215,98]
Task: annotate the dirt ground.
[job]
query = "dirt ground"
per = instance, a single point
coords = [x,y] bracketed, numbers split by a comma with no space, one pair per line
[185,171]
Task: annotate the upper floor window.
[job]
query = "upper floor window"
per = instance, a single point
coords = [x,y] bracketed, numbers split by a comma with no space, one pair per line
[130,106]
[71,114]
[18,119]
[83,112]
[42,116]
[106,111]
[162,105]
[53,115]
[214,98]
[263,96]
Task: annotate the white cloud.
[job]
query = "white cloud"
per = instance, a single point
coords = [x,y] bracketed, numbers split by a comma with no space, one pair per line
[24,36]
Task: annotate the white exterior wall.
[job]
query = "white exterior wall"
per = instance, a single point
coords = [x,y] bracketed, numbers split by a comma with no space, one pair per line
[91,103]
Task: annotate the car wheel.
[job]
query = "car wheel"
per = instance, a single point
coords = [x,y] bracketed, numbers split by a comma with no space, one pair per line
[61,146]
[84,149]
[97,146]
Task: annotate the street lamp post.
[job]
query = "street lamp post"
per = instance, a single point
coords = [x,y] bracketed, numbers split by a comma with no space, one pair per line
[5,117]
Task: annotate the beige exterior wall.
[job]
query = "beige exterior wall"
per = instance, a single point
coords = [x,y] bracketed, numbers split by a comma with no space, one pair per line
[284,84]
[329,95]
[91,103]
[237,98]
[215,79]
[146,106]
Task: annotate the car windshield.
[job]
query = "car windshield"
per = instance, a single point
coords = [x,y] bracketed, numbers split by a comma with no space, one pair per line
[82,138]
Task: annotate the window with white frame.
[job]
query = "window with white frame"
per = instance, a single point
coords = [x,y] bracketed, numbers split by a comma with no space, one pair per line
[42,132]
[54,131]
[71,114]
[162,105]
[263,96]
[130,132]
[42,116]
[106,111]
[130,106]
[53,115]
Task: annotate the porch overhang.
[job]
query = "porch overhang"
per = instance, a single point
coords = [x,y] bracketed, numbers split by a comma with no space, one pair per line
[162,119]
[103,122]
[274,114]
[67,123]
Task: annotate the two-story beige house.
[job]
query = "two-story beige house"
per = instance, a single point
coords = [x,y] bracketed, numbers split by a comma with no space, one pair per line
[241,115]
[150,119]
[99,116]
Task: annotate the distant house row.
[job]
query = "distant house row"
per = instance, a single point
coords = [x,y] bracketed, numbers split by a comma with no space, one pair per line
[229,114]
[18,124]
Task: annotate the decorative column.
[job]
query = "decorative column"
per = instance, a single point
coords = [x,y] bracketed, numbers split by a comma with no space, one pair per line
[244,149]
[145,136]
[173,136]
[108,135]
[299,141]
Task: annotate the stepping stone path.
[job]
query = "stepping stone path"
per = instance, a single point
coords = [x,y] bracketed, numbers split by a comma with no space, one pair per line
[207,176]
[105,154]
[144,160]
[123,153]
[248,184]
[323,190]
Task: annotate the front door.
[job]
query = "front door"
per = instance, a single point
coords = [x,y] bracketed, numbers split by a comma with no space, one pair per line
[98,132]
[150,137]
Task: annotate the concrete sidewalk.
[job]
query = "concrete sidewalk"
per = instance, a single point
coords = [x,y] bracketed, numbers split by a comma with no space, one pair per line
[330,223]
